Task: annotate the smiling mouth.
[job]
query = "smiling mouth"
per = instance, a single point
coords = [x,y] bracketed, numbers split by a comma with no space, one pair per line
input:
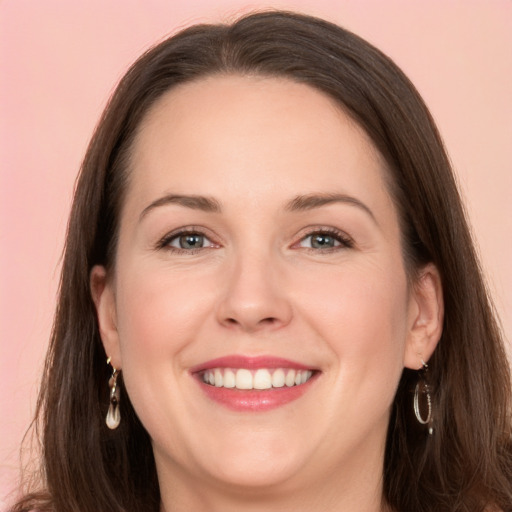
[250,384]
[260,379]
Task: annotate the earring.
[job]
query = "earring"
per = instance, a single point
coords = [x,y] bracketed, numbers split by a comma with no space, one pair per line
[113,415]
[424,389]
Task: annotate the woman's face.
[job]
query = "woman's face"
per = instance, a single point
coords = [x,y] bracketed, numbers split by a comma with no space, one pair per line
[259,248]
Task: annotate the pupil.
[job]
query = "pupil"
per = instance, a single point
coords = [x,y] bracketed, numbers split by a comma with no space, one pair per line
[322,241]
[191,241]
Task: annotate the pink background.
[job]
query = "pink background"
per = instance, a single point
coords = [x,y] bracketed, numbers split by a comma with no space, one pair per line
[60,59]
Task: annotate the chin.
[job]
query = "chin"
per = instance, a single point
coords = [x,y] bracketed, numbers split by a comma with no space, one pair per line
[255,460]
[259,474]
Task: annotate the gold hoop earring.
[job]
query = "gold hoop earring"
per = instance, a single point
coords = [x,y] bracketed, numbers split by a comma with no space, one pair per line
[113,418]
[424,389]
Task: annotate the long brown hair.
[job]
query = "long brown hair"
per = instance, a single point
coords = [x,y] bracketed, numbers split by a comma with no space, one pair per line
[467,464]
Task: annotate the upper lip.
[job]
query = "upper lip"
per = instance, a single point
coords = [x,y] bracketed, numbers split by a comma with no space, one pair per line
[249,362]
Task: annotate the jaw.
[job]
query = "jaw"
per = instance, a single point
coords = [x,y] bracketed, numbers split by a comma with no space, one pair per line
[261,475]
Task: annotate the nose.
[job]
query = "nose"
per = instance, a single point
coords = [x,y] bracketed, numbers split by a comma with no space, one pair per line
[255,296]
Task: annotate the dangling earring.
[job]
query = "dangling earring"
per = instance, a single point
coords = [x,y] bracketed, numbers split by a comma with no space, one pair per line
[113,415]
[423,388]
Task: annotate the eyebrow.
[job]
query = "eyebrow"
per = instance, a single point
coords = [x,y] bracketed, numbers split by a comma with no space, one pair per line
[206,204]
[312,201]
[300,203]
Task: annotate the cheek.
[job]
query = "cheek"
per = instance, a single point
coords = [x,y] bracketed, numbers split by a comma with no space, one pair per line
[361,312]
[156,305]
[158,315]
[361,319]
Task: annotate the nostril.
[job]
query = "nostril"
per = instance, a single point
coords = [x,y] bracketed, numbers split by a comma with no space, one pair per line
[264,321]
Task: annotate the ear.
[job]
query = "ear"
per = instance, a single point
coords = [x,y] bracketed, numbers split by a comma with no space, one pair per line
[102,291]
[426,314]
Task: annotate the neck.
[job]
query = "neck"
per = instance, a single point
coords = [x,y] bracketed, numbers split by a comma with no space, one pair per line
[257,501]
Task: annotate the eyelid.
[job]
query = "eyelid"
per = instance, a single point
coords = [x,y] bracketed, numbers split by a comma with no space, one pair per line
[342,237]
[164,242]
[345,240]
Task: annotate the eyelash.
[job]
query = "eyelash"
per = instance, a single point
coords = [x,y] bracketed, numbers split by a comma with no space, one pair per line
[345,242]
[165,242]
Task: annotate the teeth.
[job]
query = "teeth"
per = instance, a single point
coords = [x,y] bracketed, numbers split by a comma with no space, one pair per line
[219,379]
[243,379]
[229,379]
[262,378]
[278,378]
[290,378]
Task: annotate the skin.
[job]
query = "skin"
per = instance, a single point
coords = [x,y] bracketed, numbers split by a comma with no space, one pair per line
[259,285]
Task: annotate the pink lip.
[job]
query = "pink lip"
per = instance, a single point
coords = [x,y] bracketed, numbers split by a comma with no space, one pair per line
[252,400]
[251,363]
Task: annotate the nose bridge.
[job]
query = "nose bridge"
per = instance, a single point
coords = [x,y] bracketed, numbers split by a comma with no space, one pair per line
[254,296]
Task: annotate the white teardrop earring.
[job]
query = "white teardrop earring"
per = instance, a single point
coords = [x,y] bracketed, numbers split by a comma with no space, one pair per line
[113,415]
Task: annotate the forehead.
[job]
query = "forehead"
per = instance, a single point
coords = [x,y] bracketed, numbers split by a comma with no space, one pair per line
[257,134]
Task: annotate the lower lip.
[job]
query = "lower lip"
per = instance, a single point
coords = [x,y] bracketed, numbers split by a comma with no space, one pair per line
[255,400]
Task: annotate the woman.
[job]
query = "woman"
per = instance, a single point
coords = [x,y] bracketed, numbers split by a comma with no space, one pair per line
[270,299]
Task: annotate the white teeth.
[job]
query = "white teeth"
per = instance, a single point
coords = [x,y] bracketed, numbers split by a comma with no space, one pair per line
[278,378]
[262,378]
[229,379]
[243,379]
[305,375]
[290,378]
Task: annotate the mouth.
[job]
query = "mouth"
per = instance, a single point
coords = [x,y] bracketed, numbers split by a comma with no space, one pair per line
[262,378]
[254,384]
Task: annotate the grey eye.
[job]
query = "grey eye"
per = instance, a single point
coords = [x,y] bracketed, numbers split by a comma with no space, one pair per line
[320,241]
[189,241]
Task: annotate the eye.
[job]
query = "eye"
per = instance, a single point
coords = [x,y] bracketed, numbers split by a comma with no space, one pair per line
[325,240]
[186,241]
